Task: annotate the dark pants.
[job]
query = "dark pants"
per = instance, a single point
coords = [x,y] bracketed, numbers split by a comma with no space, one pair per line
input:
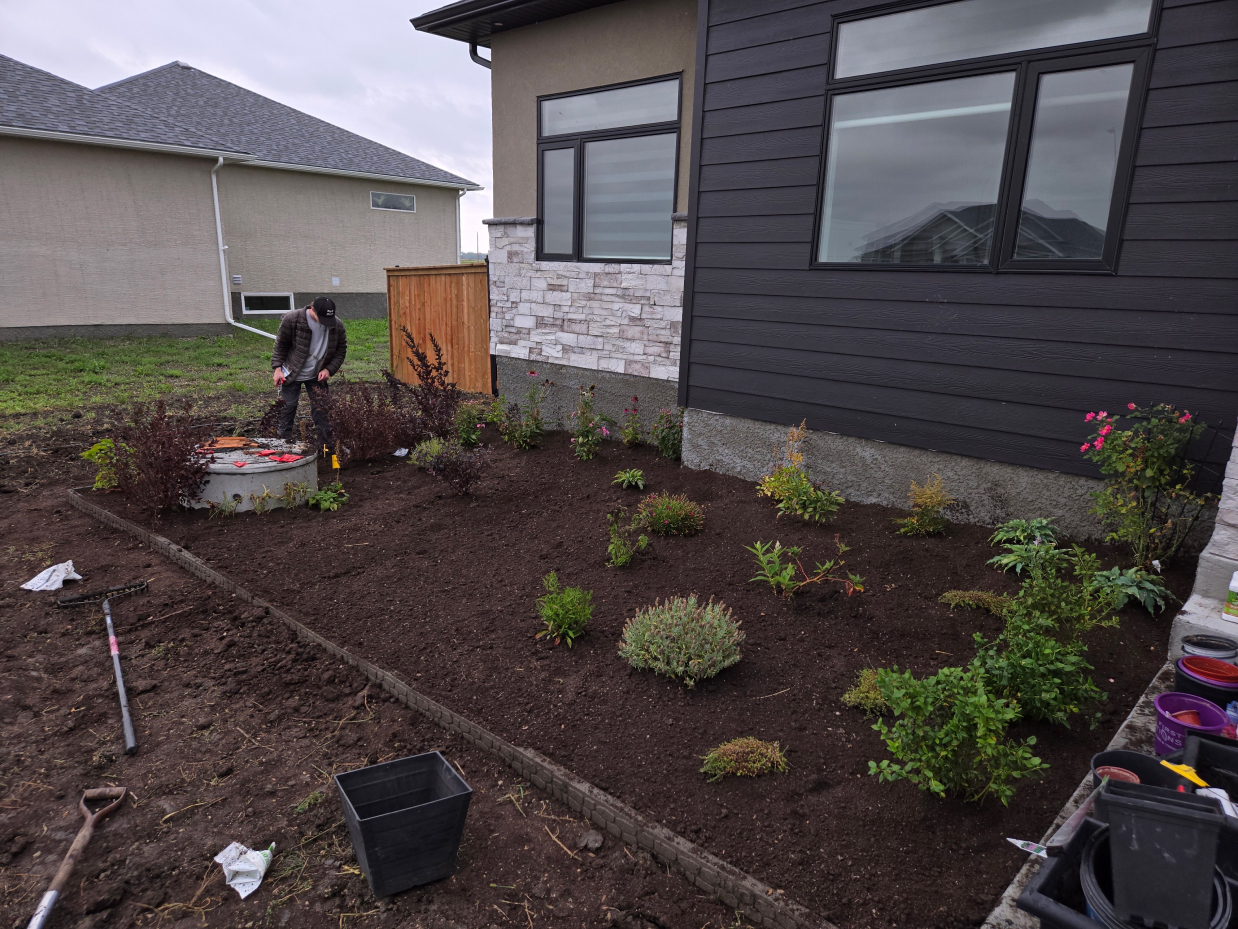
[290,393]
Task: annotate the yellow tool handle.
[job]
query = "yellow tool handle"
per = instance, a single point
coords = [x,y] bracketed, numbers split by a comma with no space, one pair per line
[1185,770]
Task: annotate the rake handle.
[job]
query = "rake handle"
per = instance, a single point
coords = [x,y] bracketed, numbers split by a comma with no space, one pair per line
[131,741]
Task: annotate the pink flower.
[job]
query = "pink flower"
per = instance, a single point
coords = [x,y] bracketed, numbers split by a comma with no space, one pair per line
[1084,447]
[1130,406]
[605,431]
[532,374]
[1105,430]
[1089,417]
[1100,442]
[1101,415]
[1185,417]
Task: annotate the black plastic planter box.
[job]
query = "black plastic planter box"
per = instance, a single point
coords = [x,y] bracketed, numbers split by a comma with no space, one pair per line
[1162,848]
[405,818]
[1054,893]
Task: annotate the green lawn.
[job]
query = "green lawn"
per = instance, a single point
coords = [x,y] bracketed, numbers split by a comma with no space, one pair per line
[57,377]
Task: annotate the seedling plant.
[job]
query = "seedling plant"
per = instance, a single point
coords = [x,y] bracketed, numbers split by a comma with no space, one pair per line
[622,548]
[630,479]
[788,577]
[792,488]
[667,433]
[591,427]
[630,431]
[565,611]
[927,501]
[524,428]
[329,498]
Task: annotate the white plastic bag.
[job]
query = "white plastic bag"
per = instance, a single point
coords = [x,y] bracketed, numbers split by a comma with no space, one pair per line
[53,578]
[243,867]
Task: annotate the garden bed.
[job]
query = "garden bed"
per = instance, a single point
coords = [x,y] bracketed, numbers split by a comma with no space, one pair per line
[440,590]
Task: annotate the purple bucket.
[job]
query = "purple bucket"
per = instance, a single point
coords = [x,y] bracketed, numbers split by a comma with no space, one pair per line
[1171,733]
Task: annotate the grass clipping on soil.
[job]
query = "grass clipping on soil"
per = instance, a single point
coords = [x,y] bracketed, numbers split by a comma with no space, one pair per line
[682,639]
[744,757]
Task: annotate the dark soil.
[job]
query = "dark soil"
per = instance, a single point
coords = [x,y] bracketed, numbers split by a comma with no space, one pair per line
[440,590]
[238,726]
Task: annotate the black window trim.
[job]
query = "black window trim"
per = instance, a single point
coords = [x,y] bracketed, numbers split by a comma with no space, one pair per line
[1027,66]
[577,141]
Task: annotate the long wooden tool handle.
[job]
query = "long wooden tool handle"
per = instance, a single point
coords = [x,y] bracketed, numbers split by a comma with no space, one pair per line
[131,741]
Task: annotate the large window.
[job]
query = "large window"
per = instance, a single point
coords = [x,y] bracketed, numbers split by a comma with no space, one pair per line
[984,134]
[606,172]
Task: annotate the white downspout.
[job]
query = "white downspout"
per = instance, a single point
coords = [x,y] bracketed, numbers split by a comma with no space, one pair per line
[459,196]
[223,261]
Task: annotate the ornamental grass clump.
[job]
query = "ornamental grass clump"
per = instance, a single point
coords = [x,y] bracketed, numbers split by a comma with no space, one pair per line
[743,757]
[682,639]
[670,514]
[927,501]
[792,488]
[1147,502]
[565,611]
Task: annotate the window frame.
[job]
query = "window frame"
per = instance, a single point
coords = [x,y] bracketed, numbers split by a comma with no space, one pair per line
[577,141]
[1028,65]
[268,293]
[391,209]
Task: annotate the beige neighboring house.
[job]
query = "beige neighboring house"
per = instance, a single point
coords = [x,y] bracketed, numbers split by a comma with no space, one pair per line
[176,202]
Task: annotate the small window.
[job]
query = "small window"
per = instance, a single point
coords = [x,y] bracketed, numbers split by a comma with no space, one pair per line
[402,203]
[266,304]
[606,172]
[1020,159]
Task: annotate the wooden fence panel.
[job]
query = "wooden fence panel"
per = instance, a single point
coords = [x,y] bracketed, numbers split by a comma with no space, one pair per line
[450,302]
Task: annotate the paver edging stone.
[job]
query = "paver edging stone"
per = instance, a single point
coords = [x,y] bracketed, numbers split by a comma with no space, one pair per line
[734,887]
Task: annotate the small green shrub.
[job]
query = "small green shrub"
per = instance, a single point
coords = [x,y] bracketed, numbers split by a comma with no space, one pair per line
[786,578]
[425,452]
[949,735]
[329,498]
[1020,556]
[997,604]
[631,479]
[682,639]
[1049,680]
[791,487]
[591,427]
[630,431]
[1135,584]
[743,757]
[470,424]
[1070,605]
[927,501]
[565,611]
[1025,532]
[523,429]
[667,433]
[622,548]
[666,514]
[865,694]
[103,455]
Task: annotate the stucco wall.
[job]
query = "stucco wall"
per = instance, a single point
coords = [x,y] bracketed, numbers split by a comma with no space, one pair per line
[622,41]
[295,231]
[95,236]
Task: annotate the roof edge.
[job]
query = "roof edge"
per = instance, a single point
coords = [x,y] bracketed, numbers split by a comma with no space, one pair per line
[252,162]
[117,142]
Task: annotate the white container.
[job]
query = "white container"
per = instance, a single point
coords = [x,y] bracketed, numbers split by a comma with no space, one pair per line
[1230,610]
[259,481]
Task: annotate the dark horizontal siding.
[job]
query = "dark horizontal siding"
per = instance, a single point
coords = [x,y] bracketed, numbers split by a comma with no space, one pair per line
[998,366]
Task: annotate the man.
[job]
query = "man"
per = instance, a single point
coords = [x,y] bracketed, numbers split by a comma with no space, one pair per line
[309,348]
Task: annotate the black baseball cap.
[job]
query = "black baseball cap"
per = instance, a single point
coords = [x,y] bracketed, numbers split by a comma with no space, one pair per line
[324,308]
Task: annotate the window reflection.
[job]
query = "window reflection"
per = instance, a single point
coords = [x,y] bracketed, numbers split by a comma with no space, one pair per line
[629,195]
[912,172]
[558,200]
[639,105]
[978,28]
[1074,157]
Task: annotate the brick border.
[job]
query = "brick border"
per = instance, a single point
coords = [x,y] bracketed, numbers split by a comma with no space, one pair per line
[711,874]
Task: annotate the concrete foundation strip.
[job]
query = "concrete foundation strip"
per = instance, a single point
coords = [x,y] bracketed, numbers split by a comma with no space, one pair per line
[736,889]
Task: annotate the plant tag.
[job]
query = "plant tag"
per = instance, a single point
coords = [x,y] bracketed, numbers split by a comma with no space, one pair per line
[335,462]
[1030,847]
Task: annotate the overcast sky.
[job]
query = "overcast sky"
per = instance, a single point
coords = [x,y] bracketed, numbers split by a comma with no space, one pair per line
[358,65]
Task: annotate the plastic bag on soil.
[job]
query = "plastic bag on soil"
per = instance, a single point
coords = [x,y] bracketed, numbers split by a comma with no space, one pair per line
[53,578]
[243,867]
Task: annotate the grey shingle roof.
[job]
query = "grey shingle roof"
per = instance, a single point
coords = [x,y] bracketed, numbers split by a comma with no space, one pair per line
[36,100]
[269,130]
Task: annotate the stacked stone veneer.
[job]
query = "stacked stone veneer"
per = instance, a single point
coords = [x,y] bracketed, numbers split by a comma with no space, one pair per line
[624,318]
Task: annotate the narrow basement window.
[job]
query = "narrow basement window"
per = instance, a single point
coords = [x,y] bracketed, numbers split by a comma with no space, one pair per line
[401,203]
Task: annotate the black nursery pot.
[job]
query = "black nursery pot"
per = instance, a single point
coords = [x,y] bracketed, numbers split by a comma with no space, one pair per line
[405,818]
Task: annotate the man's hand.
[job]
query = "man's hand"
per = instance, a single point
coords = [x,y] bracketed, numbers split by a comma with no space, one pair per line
[277,376]
[323,375]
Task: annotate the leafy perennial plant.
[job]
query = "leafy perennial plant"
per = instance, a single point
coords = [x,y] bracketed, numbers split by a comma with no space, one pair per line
[682,639]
